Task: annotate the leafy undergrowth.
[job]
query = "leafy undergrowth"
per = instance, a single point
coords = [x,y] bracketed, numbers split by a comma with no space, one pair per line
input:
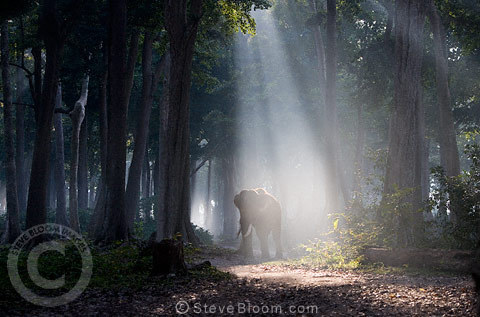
[120,266]
[331,256]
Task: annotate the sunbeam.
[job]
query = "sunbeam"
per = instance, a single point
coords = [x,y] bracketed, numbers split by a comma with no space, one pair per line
[276,136]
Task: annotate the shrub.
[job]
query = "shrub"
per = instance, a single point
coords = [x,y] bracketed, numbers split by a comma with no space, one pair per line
[457,203]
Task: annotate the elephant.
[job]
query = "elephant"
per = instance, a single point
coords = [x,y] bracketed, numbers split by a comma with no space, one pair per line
[260,210]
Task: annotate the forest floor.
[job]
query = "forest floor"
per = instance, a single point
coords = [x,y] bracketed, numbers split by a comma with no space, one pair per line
[276,288]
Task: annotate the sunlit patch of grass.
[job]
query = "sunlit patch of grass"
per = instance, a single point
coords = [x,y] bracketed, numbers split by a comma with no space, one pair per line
[330,254]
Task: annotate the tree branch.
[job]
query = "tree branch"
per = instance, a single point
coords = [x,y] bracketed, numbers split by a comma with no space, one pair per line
[20,104]
[26,70]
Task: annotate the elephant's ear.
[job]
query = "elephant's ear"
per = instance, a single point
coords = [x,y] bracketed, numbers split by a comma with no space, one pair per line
[236,201]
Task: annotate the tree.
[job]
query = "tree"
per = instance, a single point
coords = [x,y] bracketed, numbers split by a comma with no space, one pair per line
[61,211]
[446,130]
[20,135]
[53,31]
[330,107]
[404,162]
[77,115]
[150,81]
[13,224]
[116,227]
[95,228]
[83,165]
[319,46]
[174,202]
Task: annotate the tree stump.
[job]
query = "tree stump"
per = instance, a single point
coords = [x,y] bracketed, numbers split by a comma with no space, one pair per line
[168,258]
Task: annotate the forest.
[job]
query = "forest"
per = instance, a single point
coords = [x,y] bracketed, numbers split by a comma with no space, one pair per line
[240,157]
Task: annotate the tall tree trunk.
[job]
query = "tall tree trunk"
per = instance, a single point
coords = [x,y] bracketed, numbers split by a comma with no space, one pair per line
[159,168]
[130,67]
[208,209]
[404,155]
[146,176]
[77,115]
[36,88]
[116,227]
[447,136]
[182,31]
[61,212]
[359,146]
[229,225]
[95,227]
[52,191]
[150,82]
[13,223]
[331,109]
[319,49]
[54,37]
[83,167]
[20,144]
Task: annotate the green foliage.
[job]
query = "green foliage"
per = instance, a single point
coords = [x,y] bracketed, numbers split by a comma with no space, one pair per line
[51,265]
[204,235]
[330,254]
[146,225]
[237,14]
[457,201]
[120,266]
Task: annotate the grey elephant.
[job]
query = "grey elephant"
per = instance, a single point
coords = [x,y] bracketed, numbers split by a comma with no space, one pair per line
[259,210]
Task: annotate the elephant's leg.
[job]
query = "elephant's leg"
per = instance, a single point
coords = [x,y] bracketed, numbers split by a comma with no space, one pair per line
[246,247]
[277,237]
[263,237]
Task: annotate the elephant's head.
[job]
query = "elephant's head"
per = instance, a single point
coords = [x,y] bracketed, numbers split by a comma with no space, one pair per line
[249,202]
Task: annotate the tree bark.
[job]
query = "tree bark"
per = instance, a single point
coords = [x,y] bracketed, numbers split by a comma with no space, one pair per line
[146,176]
[51,190]
[77,115]
[359,147]
[131,61]
[228,171]
[20,144]
[150,82]
[406,138]
[168,258]
[331,109]
[208,209]
[13,223]
[95,227]
[182,31]
[83,167]
[116,227]
[319,49]
[54,37]
[36,88]
[449,157]
[61,211]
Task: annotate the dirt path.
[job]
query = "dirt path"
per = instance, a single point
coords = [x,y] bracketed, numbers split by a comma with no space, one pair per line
[266,290]
[354,291]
